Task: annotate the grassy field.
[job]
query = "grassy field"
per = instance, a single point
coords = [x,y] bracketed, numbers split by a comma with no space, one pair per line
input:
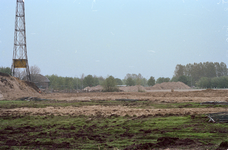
[134,104]
[112,132]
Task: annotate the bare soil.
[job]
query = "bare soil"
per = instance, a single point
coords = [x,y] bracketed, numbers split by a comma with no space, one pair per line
[12,88]
[168,85]
[137,88]
[108,111]
[159,97]
[97,88]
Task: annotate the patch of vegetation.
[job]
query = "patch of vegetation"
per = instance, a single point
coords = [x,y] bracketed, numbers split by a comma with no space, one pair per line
[99,132]
[133,104]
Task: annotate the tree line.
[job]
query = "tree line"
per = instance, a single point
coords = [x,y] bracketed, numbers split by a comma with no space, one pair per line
[204,75]
[60,83]
[198,73]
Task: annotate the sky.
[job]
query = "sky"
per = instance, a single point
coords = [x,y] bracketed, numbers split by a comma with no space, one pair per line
[116,37]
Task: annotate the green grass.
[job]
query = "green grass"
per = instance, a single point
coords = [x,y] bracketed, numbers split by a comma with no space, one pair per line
[99,132]
[137,104]
[85,132]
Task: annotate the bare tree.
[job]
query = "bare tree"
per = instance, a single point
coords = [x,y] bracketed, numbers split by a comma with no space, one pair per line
[34,70]
[19,73]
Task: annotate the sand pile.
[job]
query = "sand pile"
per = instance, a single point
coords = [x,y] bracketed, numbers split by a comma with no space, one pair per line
[137,88]
[97,88]
[168,85]
[12,88]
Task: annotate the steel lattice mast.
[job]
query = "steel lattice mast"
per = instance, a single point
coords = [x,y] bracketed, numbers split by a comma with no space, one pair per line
[20,59]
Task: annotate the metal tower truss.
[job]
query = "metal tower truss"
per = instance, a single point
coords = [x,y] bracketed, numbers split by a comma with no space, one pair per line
[20,59]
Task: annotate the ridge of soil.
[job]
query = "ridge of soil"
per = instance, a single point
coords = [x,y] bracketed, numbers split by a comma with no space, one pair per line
[136,88]
[12,88]
[108,111]
[99,88]
[168,85]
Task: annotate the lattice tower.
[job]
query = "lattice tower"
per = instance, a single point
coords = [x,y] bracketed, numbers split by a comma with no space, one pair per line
[20,59]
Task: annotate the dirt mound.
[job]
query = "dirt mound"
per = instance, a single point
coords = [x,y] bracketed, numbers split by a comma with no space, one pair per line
[137,88]
[97,88]
[32,85]
[12,88]
[168,85]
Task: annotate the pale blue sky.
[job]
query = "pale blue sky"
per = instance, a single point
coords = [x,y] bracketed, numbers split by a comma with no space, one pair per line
[116,37]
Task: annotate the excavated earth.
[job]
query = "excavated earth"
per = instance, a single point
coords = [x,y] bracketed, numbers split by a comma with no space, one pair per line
[167,97]
[108,111]
[153,97]
[12,88]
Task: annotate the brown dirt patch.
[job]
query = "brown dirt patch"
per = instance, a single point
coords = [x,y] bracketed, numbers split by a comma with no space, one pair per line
[29,140]
[167,97]
[12,88]
[107,111]
[137,88]
[163,142]
[97,88]
[169,85]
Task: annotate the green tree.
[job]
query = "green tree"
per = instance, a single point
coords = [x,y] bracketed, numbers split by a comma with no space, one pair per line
[144,82]
[54,83]
[183,79]
[138,79]
[130,82]
[221,69]
[162,79]
[204,82]
[174,79]
[151,81]
[179,70]
[69,81]
[88,81]
[223,82]
[6,70]
[62,83]
[198,70]
[96,81]
[110,84]
[215,82]
[118,81]
[210,70]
